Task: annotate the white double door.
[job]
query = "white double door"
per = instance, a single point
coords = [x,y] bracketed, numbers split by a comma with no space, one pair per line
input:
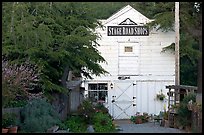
[122,99]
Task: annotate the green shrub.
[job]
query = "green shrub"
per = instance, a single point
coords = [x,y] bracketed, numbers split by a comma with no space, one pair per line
[184,115]
[62,126]
[132,118]
[102,123]
[38,115]
[8,119]
[17,103]
[86,110]
[101,108]
[75,124]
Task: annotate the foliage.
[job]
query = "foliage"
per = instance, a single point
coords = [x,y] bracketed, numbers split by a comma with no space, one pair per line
[103,122]
[17,82]
[86,109]
[89,114]
[190,29]
[99,107]
[17,103]
[38,116]
[52,35]
[62,126]
[184,115]
[8,119]
[165,115]
[75,124]
[143,117]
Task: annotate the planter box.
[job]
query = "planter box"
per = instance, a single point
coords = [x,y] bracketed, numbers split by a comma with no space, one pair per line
[4,130]
[138,121]
[13,129]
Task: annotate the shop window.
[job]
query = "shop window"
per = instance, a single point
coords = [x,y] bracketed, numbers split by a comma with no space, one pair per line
[98,92]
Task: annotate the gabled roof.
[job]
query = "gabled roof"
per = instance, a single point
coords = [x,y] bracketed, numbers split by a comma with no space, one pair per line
[123,11]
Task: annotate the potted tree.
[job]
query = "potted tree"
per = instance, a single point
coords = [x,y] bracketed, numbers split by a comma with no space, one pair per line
[9,123]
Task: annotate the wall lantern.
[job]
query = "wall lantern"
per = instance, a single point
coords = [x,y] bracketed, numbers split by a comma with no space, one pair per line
[111,85]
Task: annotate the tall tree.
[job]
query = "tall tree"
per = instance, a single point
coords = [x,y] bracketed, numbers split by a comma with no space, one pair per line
[190,20]
[53,36]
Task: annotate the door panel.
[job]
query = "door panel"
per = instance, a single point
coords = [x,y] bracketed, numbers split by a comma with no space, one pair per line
[123,102]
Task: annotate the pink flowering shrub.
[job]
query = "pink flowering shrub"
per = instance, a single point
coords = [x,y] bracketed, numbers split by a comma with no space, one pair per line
[18,81]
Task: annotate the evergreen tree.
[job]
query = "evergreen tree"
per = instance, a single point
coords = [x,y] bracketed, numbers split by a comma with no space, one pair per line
[52,35]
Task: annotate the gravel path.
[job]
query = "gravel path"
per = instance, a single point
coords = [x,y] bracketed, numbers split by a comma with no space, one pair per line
[128,127]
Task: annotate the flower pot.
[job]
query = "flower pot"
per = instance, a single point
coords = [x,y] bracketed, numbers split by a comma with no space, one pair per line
[4,130]
[138,121]
[13,129]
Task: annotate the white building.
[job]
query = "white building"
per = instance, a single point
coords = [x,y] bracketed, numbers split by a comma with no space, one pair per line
[138,68]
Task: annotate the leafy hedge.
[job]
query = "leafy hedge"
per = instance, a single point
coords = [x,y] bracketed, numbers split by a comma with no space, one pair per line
[38,116]
[103,123]
[75,124]
[184,115]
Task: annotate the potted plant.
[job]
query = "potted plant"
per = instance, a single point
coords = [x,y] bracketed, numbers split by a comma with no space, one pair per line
[9,123]
[160,96]
[138,120]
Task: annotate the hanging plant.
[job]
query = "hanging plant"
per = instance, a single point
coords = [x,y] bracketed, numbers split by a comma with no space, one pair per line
[160,96]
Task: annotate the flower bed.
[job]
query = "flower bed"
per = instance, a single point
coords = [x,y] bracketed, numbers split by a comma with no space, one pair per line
[90,115]
[139,119]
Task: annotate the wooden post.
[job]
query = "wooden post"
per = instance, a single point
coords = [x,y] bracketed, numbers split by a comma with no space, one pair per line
[177,70]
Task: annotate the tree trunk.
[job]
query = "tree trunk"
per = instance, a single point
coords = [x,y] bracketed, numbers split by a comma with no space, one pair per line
[199,82]
[64,76]
[12,17]
[199,93]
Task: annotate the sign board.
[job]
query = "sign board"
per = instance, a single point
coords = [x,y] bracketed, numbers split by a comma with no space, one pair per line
[128,31]
[129,28]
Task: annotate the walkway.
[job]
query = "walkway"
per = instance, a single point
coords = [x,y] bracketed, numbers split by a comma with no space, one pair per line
[127,126]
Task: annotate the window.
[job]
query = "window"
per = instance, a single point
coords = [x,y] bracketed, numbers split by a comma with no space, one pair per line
[98,92]
[128,49]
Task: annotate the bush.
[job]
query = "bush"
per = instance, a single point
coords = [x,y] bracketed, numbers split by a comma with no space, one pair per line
[17,103]
[103,123]
[184,115]
[8,119]
[86,110]
[75,124]
[101,108]
[38,115]
[17,81]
